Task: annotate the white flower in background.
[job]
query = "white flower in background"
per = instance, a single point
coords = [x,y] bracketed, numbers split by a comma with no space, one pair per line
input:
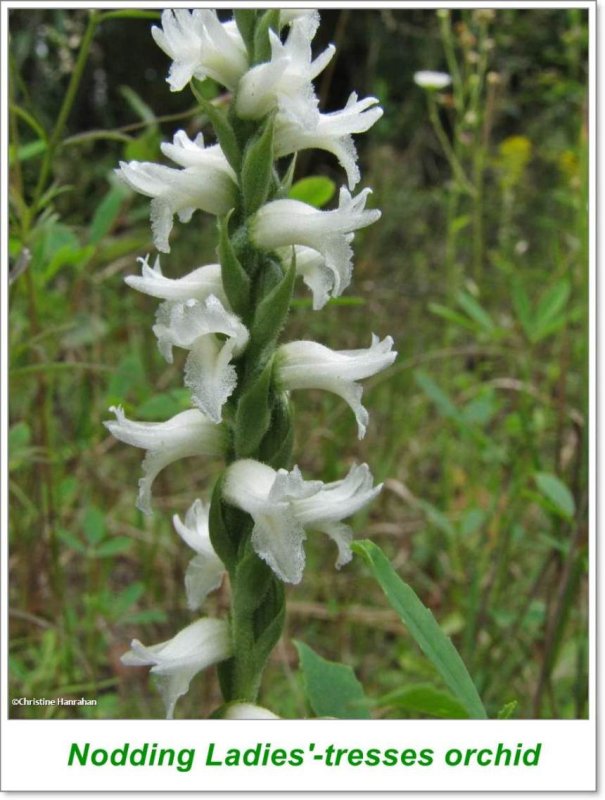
[288,74]
[330,132]
[206,570]
[189,433]
[192,325]
[309,365]
[207,182]
[247,711]
[196,285]
[432,81]
[291,222]
[201,46]
[283,505]
[175,662]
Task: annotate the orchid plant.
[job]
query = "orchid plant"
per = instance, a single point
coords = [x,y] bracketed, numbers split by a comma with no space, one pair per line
[229,316]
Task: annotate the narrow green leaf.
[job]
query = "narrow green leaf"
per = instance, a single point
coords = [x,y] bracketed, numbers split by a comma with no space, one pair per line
[138,105]
[234,276]
[475,311]
[222,128]
[93,525]
[315,190]
[437,518]
[107,213]
[111,547]
[253,414]
[443,403]
[26,151]
[522,306]
[423,628]
[276,446]
[257,168]
[557,493]
[262,43]
[424,698]
[453,316]
[551,304]
[332,689]
[272,311]
[245,19]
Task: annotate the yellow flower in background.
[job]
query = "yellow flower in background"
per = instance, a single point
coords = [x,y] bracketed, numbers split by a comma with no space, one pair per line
[513,157]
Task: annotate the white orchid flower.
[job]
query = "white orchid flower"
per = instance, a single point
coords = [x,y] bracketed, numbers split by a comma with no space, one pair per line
[196,285]
[309,365]
[200,47]
[205,570]
[247,711]
[175,662]
[209,372]
[288,15]
[189,433]
[330,132]
[311,267]
[432,81]
[207,182]
[283,506]
[288,74]
[291,222]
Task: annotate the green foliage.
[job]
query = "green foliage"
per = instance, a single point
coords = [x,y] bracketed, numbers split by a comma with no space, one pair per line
[426,700]
[422,626]
[316,190]
[331,689]
[257,168]
[556,493]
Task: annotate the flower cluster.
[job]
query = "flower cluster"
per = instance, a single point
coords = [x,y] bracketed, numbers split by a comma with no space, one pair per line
[228,317]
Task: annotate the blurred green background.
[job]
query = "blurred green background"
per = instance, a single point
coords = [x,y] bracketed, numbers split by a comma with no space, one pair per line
[478,269]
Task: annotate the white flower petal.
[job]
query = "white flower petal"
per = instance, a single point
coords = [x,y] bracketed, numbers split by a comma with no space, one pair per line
[210,374]
[290,222]
[205,571]
[189,433]
[178,660]
[283,505]
[288,74]
[309,365]
[198,284]
[201,46]
[247,711]
[208,184]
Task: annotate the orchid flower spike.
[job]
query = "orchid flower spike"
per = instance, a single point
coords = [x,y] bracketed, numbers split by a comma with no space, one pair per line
[189,433]
[289,73]
[196,285]
[283,506]
[209,372]
[201,47]
[309,365]
[207,182]
[291,222]
[206,570]
[177,661]
[330,132]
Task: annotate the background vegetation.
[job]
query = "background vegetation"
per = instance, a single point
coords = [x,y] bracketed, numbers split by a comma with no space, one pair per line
[478,269]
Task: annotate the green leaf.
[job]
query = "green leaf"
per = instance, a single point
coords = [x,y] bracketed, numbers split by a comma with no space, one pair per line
[127,598]
[93,525]
[107,213]
[437,518]
[233,275]
[262,43]
[476,312]
[443,403]
[220,532]
[245,19]
[551,304]
[222,128]
[331,688]
[19,437]
[138,105]
[253,414]
[522,306]
[257,168]
[276,446]
[26,151]
[272,311]
[557,493]
[316,190]
[453,316]
[111,547]
[423,627]
[424,698]
[72,541]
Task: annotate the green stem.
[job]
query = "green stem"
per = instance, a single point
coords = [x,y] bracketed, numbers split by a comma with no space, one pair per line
[68,101]
[448,150]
